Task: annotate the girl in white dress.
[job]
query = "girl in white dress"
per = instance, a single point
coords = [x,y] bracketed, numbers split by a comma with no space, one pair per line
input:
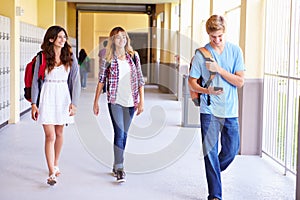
[56,104]
[55,98]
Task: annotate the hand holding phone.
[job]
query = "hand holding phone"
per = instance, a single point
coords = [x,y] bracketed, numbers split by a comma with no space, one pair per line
[218,88]
[209,59]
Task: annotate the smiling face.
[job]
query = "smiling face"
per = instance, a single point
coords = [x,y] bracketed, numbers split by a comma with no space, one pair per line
[216,28]
[60,40]
[120,39]
[217,38]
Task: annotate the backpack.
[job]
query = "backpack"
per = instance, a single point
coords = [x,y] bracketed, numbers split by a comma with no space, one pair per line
[195,95]
[29,71]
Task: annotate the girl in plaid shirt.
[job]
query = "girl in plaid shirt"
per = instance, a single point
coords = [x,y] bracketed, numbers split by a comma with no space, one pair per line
[125,91]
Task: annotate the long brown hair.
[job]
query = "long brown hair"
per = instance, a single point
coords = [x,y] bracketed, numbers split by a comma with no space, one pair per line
[110,48]
[48,48]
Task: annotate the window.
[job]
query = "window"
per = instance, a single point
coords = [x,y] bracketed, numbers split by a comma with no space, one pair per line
[281,82]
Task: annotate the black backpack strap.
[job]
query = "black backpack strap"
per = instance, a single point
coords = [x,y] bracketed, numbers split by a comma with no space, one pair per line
[107,64]
[39,55]
[134,58]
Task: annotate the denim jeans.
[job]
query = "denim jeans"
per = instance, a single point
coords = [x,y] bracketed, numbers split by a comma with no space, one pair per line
[121,118]
[83,77]
[215,161]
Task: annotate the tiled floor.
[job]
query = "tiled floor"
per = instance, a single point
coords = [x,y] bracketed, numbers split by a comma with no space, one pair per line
[163,160]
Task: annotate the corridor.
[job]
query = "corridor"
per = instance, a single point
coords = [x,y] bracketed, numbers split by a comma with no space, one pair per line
[173,170]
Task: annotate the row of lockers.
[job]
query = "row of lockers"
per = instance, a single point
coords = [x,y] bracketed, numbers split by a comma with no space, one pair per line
[4,69]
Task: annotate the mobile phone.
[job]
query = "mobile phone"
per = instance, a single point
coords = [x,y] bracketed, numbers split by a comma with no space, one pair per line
[209,59]
[218,88]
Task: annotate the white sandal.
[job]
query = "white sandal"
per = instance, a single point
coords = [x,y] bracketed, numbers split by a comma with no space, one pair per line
[56,171]
[51,180]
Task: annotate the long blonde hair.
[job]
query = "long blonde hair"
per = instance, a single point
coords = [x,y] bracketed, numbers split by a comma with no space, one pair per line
[110,48]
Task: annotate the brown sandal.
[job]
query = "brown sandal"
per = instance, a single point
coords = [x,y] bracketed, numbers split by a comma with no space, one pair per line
[51,180]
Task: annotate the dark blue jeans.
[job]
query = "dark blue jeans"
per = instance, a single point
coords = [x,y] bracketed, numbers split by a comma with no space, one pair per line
[215,161]
[121,118]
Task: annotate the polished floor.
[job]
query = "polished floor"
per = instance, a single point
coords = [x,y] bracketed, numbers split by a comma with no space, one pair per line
[163,160]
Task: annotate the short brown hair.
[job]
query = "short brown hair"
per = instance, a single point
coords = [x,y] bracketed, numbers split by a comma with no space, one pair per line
[215,23]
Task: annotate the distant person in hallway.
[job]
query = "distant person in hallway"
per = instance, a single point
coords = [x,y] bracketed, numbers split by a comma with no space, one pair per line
[59,95]
[101,56]
[125,93]
[84,62]
[221,115]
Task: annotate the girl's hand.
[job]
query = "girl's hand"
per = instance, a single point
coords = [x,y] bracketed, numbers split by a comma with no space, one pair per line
[34,112]
[72,109]
[96,108]
[140,108]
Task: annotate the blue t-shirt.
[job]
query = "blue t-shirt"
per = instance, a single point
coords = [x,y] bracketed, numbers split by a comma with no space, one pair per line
[231,59]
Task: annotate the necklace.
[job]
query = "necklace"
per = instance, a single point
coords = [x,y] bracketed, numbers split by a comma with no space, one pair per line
[58,63]
[120,53]
[121,56]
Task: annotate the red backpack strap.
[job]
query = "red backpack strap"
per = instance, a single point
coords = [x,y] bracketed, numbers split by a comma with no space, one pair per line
[42,66]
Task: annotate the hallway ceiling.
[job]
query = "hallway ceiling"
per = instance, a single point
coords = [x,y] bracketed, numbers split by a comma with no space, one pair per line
[123,1]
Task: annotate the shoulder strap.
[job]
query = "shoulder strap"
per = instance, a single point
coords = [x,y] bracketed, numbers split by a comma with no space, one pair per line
[39,54]
[134,58]
[208,57]
[42,67]
[205,53]
[107,65]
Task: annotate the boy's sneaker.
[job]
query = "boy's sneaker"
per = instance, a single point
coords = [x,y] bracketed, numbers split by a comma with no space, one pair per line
[114,173]
[120,176]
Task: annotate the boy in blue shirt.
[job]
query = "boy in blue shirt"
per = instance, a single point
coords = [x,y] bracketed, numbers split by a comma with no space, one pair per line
[220,114]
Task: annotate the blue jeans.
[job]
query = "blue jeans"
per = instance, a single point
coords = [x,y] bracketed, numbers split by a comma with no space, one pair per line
[83,77]
[216,162]
[121,118]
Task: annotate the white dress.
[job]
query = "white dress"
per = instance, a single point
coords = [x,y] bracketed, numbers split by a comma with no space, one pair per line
[55,98]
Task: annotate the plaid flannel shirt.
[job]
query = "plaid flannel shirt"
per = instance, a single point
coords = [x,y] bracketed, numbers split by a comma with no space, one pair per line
[111,72]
